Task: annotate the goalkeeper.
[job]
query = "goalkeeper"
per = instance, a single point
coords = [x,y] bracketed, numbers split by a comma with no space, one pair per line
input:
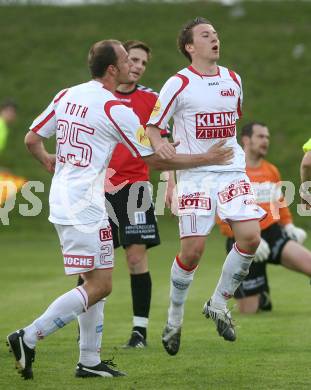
[281,241]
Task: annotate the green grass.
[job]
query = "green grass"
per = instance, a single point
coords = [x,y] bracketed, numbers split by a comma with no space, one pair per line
[272,350]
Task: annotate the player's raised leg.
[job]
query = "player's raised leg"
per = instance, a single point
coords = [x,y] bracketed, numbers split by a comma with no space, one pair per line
[182,274]
[235,269]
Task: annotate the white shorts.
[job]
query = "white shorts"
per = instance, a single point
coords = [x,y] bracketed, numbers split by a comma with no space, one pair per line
[86,247]
[203,195]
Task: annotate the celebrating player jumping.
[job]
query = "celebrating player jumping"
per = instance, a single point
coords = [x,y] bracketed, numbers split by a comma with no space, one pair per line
[205,100]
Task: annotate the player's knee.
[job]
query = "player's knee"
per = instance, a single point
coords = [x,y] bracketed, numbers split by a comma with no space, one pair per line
[254,242]
[250,241]
[102,291]
[133,259]
[191,257]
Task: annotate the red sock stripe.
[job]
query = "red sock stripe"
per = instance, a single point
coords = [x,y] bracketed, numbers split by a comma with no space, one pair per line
[183,266]
[242,251]
[85,298]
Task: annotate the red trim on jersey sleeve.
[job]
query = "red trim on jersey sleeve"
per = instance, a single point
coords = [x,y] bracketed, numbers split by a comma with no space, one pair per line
[43,122]
[60,96]
[107,109]
[191,68]
[165,133]
[235,79]
[185,82]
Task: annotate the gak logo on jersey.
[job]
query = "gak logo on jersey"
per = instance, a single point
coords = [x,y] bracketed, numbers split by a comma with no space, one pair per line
[227,92]
[215,125]
[78,261]
[194,201]
[234,190]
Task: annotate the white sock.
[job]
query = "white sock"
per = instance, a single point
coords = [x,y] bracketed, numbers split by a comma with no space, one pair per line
[181,279]
[91,331]
[62,311]
[234,271]
[142,322]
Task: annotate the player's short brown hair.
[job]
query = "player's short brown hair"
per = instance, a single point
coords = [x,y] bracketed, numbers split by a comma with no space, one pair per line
[101,55]
[185,35]
[134,44]
[248,129]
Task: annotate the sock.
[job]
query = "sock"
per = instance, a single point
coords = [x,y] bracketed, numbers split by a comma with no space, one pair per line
[234,271]
[181,278]
[141,286]
[63,310]
[91,331]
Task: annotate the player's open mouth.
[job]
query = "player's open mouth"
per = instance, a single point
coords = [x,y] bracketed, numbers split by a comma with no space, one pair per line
[215,48]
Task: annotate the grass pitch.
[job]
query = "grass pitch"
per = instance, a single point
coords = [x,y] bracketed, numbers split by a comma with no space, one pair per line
[272,350]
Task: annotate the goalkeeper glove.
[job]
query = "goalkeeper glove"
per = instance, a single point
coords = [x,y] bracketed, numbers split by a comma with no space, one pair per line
[262,252]
[295,233]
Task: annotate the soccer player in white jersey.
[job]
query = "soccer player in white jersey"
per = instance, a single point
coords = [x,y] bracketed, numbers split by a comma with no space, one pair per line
[205,100]
[88,121]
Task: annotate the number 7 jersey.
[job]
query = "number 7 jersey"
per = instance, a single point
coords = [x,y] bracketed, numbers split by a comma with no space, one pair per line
[205,110]
[88,122]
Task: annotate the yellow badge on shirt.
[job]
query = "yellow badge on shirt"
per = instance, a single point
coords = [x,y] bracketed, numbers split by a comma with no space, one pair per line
[142,137]
[156,109]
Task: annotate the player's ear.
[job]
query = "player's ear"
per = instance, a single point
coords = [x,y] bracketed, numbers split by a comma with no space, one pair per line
[245,140]
[112,69]
[189,47]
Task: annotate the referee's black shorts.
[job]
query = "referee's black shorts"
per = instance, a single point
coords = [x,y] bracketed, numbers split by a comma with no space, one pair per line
[131,216]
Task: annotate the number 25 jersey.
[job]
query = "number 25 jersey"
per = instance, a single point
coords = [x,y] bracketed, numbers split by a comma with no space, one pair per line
[88,122]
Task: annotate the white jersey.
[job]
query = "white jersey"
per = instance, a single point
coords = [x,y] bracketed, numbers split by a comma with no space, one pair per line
[88,122]
[205,110]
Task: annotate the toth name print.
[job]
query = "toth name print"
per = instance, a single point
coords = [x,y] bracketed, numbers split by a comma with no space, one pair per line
[76,110]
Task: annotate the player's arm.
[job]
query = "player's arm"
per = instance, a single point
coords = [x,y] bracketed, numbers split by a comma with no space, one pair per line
[44,126]
[132,134]
[285,214]
[164,109]
[218,154]
[171,183]
[160,145]
[35,145]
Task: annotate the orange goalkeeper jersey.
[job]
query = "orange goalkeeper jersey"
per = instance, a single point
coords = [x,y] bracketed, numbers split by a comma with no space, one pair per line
[264,181]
